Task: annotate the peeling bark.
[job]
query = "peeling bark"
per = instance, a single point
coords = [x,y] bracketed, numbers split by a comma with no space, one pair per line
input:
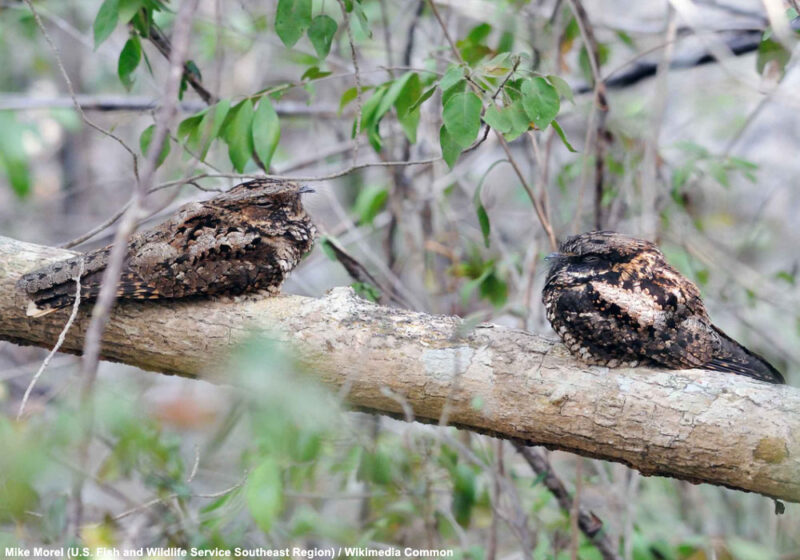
[694,425]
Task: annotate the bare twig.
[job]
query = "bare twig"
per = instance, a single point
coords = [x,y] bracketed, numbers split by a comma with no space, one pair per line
[156,501]
[194,178]
[111,103]
[648,187]
[601,105]
[61,337]
[111,275]
[71,89]
[589,524]
[357,78]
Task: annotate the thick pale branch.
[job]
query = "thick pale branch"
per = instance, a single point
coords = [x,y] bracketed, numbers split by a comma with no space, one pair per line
[694,425]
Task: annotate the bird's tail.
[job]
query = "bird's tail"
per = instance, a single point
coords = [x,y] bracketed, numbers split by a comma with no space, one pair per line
[732,357]
[53,287]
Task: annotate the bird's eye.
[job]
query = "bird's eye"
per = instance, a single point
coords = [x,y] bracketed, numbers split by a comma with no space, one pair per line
[591,259]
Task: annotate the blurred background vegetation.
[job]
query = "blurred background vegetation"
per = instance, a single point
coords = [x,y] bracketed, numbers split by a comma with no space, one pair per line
[675,121]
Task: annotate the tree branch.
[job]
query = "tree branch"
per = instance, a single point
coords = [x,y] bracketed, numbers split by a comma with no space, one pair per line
[694,425]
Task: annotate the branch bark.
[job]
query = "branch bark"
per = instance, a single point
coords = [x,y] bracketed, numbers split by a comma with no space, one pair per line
[694,425]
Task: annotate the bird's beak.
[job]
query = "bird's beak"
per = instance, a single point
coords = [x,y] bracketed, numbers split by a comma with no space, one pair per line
[553,256]
[306,189]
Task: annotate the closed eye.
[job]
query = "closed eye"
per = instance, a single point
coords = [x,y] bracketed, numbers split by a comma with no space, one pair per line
[591,259]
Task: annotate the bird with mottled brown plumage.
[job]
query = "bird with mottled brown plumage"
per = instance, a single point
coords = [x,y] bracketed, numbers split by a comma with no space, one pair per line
[615,301]
[243,241]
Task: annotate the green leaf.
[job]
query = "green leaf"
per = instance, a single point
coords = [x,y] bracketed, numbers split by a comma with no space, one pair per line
[13,159]
[362,17]
[128,60]
[370,119]
[560,132]
[314,73]
[127,9]
[376,467]
[719,173]
[369,202]
[480,209]
[105,21]
[292,19]
[450,150]
[266,131]
[462,118]
[408,117]
[144,144]
[562,87]
[540,101]
[263,493]
[321,33]
[394,92]
[494,289]
[451,76]
[325,243]
[238,136]
[18,174]
[497,119]
[209,127]
[459,87]
[464,493]
[422,98]
[366,291]
[520,123]
[349,95]
[190,124]
[771,51]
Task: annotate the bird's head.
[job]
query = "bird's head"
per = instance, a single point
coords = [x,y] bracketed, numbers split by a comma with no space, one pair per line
[595,254]
[266,200]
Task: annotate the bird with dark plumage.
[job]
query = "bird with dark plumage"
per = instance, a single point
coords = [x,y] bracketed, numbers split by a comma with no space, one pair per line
[615,301]
[245,240]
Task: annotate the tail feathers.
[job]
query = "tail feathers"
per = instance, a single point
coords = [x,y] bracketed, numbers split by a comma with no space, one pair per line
[57,297]
[732,357]
[33,310]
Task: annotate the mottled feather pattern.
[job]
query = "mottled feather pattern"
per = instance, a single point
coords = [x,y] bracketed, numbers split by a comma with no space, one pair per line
[245,240]
[615,301]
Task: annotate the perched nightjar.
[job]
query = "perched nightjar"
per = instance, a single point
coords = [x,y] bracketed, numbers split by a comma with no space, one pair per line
[243,241]
[615,301]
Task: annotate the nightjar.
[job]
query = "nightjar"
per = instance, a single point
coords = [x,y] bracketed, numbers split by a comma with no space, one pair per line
[615,301]
[245,240]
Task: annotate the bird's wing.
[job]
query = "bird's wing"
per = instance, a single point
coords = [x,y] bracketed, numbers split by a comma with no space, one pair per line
[592,328]
[731,357]
[205,251]
[665,319]
[53,287]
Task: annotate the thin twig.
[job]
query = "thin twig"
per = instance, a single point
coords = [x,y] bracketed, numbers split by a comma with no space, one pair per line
[71,89]
[192,180]
[357,78]
[601,104]
[588,522]
[162,43]
[648,187]
[137,104]
[61,337]
[111,275]
[156,501]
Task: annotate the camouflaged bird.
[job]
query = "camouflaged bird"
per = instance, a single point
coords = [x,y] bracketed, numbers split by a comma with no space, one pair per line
[245,240]
[615,301]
